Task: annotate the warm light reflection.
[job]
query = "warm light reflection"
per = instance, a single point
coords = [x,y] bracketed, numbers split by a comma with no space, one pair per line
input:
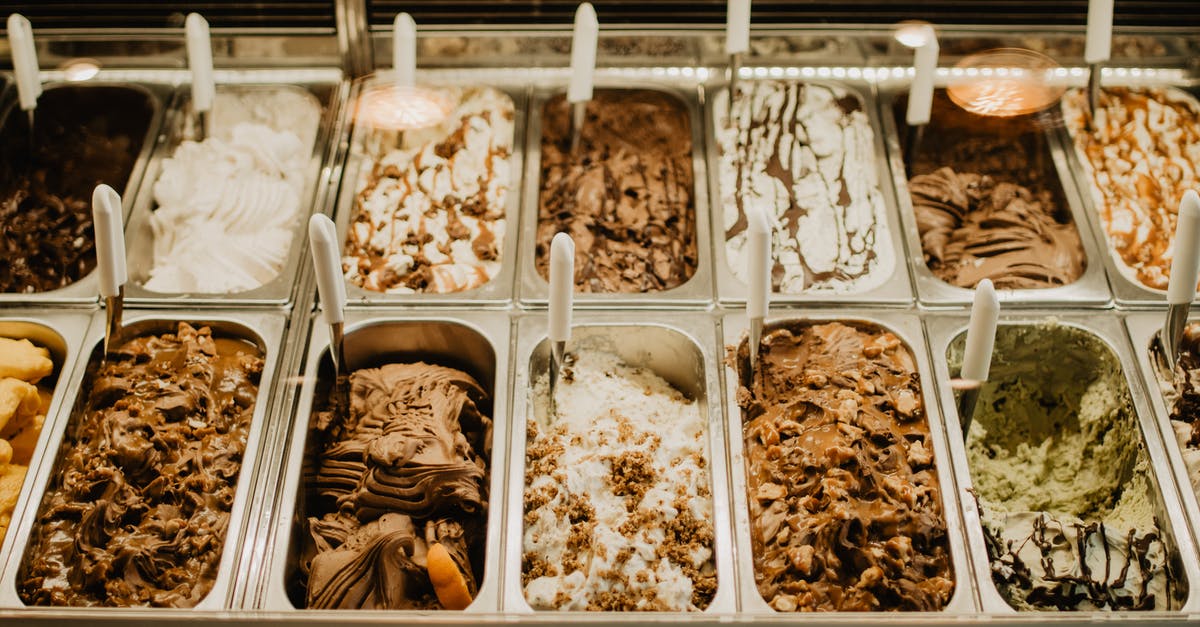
[390,106]
[913,34]
[80,69]
[1005,82]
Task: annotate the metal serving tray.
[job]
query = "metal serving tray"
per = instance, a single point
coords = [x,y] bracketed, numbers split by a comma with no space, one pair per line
[62,333]
[907,327]
[85,290]
[1144,329]
[942,330]
[264,330]
[328,93]
[695,292]
[1090,290]
[474,342]
[498,291]
[683,352]
[1127,291]
[896,288]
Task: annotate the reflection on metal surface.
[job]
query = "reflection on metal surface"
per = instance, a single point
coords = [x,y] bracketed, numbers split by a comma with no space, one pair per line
[1006,82]
[397,107]
[80,69]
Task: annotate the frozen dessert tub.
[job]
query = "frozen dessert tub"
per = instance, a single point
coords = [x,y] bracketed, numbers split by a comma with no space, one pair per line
[1089,289]
[321,90]
[475,343]
[151,98]
[693,291]
[262,331]
[61,333]
[825,216]
[1179,559]
[682,354]
[907,330]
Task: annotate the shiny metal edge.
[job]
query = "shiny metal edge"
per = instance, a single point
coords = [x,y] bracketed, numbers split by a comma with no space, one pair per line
[85,291]
[897,289]
[907,327]
[696,329]
[1126,291]
[941,330]
[140,239]
[492,327]
[262,329]
[1143,331]
[65,331]
[697,291]
[1089,291]
[498,291]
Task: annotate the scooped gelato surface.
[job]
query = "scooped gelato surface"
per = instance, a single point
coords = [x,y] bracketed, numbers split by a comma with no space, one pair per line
[618,503]
[397,512]
[1062,476]
[83,136]
[988,202]
[625,196]
[139,503]
[26,385]
[1182,394]
[845,502]
[805,152]
[1143,156]
[429,215]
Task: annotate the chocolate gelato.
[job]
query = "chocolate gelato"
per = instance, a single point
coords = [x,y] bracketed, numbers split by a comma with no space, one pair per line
[625,197]
[139,502]
[84,136]
[988,202]
[1181,390]
[845,502]
[397,508]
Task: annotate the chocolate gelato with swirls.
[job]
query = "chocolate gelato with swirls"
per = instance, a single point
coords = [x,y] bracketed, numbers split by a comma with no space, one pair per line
[84,136]
[845,503]
[625,196]
[988,202]
[139,502]
[403,472]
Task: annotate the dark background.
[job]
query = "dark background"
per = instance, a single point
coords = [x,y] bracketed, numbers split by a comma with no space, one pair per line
[320,13]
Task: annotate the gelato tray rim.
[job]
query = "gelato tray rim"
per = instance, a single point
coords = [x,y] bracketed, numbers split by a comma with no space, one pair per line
[265,330]
[907,327]
[942,329]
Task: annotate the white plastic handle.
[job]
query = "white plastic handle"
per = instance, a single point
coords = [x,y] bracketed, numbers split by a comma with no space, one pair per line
[25,62]
[1185,268]
[981,333]
[737,26]
[331,285]
[404,50]
[583,54]
[199,51]
[920,96]
[758,247]
[562,286]
[110,241]
[1099,31]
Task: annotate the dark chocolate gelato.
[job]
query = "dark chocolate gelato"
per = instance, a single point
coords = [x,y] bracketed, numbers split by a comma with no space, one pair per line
[625,197]
[139,503]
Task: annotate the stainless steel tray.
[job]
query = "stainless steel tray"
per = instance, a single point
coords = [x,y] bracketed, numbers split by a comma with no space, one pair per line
[62,333]
[85,291]
[697,291]
[264,330]
[684,353]
[476,342]
[907,327]
[1090,290]
[329,94]
[1127,291]
[895,290]
[942,330]
[498,291]
[1144,329]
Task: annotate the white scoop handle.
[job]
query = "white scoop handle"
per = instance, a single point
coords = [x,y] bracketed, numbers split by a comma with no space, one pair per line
[200,61]
[920,96]
[583,54]
[981,333]
[331,285]
[404,50]
[1099,31]
[737,27]
[1185,268]
[758,247]
[562,286]
[25,62]
[110,241]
